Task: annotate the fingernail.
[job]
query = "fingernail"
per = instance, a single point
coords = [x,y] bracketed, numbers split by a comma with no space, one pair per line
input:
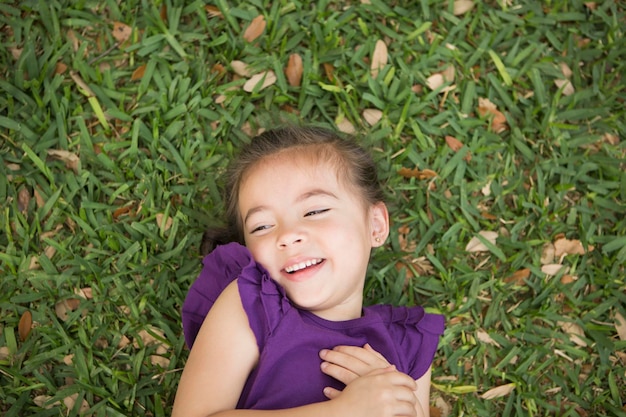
[323,353]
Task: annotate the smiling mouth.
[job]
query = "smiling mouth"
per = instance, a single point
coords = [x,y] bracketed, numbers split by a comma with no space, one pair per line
[303,265]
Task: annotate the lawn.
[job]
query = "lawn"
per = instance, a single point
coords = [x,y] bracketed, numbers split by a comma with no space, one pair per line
[499,128]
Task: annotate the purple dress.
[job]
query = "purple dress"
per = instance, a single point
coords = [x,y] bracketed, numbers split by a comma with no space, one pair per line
[288,372]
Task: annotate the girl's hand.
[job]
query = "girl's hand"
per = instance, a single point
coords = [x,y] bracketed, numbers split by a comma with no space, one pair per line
[346,363]
[383,392]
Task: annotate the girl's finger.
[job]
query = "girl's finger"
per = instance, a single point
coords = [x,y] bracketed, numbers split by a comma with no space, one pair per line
[331,393]
[338,372]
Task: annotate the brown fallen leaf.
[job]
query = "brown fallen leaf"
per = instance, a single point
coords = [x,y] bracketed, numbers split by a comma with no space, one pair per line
[268,78]
[456,145]
[552,269]
[64,307]
[518,277]
[329,71]
[72,161]
[476,245]
[372,116]
[60,68]
[620,326]
[39,200]
[294,70]
[23,199]
[70,401]
[591,5]
[416,173]
[43,402]
[255,28]
[121,32]
[25,325]
[435,81]
[484,337]
[138,73]
[498,392]
[563,247]
[213,11]
[345,126]
[379,58]
[487,109]
[161,361]
[240,68]
[462,6]
[164,222]
[566,85]
[574,331]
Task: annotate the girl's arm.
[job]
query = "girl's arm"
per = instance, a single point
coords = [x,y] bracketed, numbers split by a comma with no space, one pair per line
[223,355]
[225,352]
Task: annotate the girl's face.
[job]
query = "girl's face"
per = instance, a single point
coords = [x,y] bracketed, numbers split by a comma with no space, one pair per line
[311,232]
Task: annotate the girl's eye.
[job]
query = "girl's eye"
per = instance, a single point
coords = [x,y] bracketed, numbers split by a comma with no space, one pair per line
[260,228]
[314,212]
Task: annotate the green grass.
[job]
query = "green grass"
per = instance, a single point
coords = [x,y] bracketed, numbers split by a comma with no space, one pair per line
[118,218]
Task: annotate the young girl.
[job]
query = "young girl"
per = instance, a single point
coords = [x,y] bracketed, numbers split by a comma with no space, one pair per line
[279,324]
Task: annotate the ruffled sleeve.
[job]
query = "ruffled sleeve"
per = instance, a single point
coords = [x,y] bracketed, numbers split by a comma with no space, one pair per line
[221,267]
[416,334]
[263,300]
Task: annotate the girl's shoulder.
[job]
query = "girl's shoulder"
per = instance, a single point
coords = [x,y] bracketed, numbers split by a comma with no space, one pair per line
[415,334]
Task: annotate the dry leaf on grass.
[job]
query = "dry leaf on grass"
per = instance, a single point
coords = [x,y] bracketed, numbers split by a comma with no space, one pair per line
[566,85]
[547,253]
[379,58]
[71,159]
[574,331]
[121,32]
[552,269]
[476,245]
[563,247]
[487,109]
[268,78]
[40,203]
[456,145]
[240,68]
[345,126]
[462,6]
[164,222]
[438,79]
[60,68]
[70,401]
[25,325]
[23,199]
[518,277]
[294,70]
[417,173]
[213,11]
[255,29]
[64,307]
[620,325]
[484,337]
[138,73]
[42,401]
[498,392]
[150,336]
[161,361]
[372,116]
[565,70]
[5,353]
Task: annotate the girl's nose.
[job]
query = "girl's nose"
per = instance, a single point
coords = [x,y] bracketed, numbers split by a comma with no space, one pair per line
[289,238]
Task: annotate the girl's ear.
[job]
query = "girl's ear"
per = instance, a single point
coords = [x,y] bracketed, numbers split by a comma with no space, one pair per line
[379,221]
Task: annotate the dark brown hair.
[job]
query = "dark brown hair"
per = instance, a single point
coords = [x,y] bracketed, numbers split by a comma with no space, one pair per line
[354,165]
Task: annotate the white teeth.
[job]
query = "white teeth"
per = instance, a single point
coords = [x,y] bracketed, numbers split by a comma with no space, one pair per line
[302,265]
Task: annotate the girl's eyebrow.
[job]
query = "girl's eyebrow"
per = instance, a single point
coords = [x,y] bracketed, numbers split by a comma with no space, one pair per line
[315,192]
[304,196]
